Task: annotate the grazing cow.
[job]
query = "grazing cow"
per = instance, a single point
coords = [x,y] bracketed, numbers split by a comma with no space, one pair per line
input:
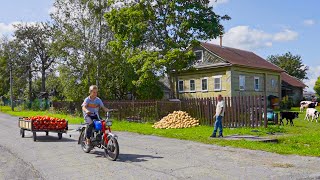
[313,113]
[304,105]
[289,116]
[307,104]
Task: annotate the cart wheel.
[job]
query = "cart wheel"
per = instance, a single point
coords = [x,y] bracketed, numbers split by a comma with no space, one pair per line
[47,133]
[22,133]
[60,135]
[34,136]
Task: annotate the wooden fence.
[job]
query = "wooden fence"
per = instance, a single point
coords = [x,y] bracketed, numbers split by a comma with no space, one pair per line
[242,111]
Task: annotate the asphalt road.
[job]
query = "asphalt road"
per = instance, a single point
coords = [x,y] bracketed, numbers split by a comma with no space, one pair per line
[141,157]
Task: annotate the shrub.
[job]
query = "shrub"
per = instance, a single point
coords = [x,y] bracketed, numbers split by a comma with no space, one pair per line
[286,103]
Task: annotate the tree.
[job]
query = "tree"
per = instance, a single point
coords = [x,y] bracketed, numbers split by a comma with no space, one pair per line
[38,38]
[82,36]
[4,80]
[4,73]
[158,35]
[317,87]
[292,64]
[13,56]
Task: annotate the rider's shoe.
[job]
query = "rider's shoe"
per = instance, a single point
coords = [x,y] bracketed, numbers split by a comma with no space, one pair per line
[88,143]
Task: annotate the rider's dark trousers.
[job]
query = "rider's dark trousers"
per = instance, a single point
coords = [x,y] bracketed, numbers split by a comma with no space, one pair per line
[89,128]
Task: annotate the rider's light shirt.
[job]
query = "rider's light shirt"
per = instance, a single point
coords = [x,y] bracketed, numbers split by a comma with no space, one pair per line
[92,105]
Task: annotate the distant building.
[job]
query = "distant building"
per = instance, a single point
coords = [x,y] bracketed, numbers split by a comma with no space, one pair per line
[308,95]
[292,87]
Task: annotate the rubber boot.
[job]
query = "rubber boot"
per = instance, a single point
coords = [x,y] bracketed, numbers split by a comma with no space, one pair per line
[213,135]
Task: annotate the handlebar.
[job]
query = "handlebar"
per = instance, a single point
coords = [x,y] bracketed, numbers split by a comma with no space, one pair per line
[112,110]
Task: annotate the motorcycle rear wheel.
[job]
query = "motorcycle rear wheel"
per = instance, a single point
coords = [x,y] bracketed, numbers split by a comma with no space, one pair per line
[111,150]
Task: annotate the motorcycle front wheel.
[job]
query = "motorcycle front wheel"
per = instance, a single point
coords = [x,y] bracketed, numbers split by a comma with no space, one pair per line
[84,147]
[111,150]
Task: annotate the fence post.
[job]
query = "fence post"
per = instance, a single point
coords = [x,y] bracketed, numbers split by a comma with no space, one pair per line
[251,112]
[157,111]
[265,112]
[230,113]
[207,116]
[238,111]
[244,110]
[255,102]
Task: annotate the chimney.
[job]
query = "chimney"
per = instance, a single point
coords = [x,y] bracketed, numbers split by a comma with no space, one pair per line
[220,40]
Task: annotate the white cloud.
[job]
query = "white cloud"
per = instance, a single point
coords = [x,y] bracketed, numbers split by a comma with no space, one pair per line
[52,10]
[6,29]
[244,37]
[309,22]
[286,35]
[313,74]
[215,3]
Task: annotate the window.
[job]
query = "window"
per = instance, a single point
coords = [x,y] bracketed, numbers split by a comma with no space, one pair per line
[217,83]
[180,86]
[204,84]
[242,82]
[256,84]
[192,85]
[273,83]
[199,56]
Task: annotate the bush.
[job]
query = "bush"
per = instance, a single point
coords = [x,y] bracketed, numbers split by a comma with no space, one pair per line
[286,103]
[36,105]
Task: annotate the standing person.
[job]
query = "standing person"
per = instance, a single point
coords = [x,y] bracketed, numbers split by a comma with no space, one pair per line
[90,108]
[219,115]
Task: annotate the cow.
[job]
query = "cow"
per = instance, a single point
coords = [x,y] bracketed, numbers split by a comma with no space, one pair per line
[313,113]
[303,106]
[307,104]
[289,116]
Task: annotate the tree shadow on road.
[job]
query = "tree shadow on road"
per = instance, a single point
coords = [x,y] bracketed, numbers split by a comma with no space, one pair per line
[129,157]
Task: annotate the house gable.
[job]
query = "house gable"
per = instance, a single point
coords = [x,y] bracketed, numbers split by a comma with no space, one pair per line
[208,58]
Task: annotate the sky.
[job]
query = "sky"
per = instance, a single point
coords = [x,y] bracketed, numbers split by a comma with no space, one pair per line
[266,27]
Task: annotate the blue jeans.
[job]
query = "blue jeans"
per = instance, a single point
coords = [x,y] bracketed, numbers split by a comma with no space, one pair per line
[218,124]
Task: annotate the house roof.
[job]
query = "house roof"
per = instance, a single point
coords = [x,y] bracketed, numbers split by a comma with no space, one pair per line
[240,57]
[292,80]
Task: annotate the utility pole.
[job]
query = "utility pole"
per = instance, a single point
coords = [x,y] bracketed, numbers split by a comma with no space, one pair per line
[100,41]
[11,84]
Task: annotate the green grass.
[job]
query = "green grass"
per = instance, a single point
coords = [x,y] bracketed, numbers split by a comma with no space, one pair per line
[301,139]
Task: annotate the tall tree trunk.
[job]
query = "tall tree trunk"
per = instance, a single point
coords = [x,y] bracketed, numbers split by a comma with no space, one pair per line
[30,85]
[43,79]
[11,90]
[173,89]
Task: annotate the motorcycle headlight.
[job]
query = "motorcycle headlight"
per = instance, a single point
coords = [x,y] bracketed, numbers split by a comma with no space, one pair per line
[109,123]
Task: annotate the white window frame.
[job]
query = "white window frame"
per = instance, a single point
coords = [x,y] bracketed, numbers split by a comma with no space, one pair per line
[182,86]
[201,61]
[194,85]
[214,82]
[273,83]
[254,83]
[206,90]
[244,80]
